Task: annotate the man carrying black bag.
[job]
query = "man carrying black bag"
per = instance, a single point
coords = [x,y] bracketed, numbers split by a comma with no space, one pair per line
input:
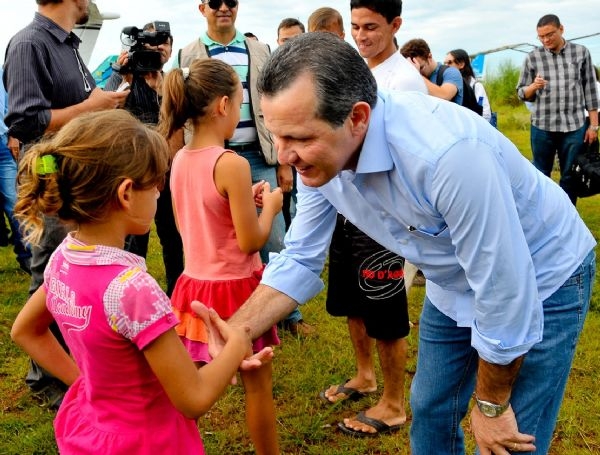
[586,169]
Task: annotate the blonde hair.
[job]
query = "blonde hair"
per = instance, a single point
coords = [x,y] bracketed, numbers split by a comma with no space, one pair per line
[189,91]
[326,19]
[94,153]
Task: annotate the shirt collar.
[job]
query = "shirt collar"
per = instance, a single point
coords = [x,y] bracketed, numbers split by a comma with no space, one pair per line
[56,30]
[237,39]
[560,51]
[77,252]
[375,153]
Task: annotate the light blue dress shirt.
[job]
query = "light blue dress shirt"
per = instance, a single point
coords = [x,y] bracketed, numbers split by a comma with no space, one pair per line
[438,185]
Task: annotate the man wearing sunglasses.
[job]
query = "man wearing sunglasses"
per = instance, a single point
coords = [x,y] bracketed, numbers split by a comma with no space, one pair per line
[251,139]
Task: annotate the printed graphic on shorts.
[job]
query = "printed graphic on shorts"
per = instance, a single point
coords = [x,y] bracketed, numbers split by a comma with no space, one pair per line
[381,275]
[62,301]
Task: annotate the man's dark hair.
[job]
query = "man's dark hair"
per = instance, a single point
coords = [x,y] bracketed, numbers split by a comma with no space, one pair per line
[46,2]
[339,82]
[415,48]
[290,22]
[149,27]
[549,19]
[390,9]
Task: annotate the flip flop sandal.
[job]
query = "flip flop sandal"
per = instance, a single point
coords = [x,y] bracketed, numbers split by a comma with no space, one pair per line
[379,425]
[350,392]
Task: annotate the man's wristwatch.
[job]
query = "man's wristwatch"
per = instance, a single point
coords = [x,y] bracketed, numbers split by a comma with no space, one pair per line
[594,128]
[489,409]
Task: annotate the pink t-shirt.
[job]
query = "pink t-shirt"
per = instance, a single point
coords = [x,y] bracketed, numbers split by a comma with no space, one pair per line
[109,309]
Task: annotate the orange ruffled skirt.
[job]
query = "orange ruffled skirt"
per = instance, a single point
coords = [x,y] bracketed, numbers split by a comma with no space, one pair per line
[225,296]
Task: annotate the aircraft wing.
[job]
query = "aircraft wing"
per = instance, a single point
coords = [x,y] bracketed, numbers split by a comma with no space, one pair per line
[89,31]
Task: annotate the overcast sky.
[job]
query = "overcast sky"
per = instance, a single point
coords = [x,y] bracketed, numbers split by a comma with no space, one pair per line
[474,25]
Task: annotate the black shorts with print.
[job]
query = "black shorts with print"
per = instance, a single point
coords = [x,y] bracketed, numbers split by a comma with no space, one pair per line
[366,281]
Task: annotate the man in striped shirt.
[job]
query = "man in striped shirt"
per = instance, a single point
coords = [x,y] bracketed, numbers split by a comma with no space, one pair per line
[558,79]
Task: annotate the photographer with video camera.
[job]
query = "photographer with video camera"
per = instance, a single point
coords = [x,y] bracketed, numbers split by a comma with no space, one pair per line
[141,68]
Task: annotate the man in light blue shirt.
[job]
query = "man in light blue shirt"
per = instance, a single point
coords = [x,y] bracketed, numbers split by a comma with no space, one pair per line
[509,262]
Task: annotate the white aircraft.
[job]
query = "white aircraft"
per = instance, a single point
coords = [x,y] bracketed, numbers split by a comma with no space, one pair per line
[89,31]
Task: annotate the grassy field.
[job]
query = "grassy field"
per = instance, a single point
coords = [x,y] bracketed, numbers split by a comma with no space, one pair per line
[302,368]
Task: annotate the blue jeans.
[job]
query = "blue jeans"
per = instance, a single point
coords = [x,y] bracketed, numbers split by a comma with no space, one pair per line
[8,194]
[447,367]
[546,144]
[263,171]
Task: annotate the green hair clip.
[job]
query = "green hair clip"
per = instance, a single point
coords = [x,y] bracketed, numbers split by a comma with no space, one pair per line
[45,165]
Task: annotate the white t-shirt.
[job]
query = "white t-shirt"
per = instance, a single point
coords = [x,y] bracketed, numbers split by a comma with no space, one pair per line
[480,94]
[396,73]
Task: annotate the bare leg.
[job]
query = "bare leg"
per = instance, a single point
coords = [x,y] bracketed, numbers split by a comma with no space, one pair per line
[390,408]
[365,379]
[410,271]
[260,409]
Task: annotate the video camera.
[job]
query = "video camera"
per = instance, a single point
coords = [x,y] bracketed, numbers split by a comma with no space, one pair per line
[140,59]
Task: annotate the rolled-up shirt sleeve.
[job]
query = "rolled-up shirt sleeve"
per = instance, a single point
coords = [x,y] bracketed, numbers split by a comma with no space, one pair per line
[526,77]
[30,87]
[296,270]
[483,221]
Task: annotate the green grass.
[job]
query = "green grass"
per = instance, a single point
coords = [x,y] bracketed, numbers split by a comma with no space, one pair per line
[303,367]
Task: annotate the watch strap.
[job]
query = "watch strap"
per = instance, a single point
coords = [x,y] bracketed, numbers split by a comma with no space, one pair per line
[490,409]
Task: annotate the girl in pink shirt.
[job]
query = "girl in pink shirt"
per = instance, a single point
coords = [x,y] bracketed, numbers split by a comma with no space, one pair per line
[133,387]
[215,209]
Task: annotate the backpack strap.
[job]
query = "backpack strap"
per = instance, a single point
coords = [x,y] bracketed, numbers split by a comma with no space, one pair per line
[440,75]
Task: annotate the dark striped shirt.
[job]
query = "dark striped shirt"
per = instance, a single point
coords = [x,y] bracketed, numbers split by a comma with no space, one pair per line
[571,87]
[42,71]
[142,101]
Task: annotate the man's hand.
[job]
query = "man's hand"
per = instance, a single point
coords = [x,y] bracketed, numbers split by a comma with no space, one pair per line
[499,435]
[218,333]
[285,178]
[100,100]
[590,136]
[539,83]
[14,145]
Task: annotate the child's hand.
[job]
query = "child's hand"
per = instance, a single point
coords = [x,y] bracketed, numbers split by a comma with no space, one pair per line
[257,192]
[272,200]
[257,360]
[219,333]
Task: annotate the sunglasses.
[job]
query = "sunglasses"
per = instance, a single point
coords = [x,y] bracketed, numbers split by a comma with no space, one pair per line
[216,4]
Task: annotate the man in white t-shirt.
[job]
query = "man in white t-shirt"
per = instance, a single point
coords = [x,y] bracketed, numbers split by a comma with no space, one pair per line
[367,283]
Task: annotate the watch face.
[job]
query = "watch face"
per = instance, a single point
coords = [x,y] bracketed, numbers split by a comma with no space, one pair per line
[491,409]
[488,410]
